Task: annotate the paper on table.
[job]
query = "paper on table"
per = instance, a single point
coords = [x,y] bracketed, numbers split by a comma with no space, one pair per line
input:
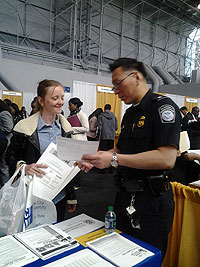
[58,174]
[79,225]
[119,250]
[46,240]
[72,149]
[14,254]
[85,257]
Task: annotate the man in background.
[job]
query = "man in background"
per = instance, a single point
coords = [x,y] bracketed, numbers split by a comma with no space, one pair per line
[108,125]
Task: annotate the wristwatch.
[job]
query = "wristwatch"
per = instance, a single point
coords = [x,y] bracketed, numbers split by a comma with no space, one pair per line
[114,162]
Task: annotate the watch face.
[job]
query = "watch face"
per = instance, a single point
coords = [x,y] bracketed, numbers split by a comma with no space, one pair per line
[114,161]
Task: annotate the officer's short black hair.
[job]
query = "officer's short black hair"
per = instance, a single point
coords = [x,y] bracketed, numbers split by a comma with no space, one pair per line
[107,107]
[128,64]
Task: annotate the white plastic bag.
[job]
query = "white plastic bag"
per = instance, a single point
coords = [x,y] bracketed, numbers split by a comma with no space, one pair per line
[38,211]
[13,197]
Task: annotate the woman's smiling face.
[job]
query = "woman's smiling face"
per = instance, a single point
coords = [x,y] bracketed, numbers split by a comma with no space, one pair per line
[53,101]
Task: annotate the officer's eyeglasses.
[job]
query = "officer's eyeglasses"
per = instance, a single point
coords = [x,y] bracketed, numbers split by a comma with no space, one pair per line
[117,84]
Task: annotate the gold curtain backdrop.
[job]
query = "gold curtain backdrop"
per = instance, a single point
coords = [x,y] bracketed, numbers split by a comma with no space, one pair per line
[112,99]
[184,237]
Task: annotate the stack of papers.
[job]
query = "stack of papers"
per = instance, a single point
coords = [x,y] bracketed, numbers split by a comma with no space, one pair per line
[119,250]
[14,254]
[58,174]
[46,241]
[80,225]
[85,258]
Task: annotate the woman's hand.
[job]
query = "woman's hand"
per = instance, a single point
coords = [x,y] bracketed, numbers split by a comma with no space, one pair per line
[36,169]
[71,207]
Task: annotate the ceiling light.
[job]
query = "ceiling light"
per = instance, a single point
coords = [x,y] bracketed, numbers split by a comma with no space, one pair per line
[198,6]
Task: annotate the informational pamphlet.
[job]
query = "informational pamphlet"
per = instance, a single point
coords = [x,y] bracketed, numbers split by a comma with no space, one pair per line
[119,250]
[73,149]
[85,258]
[46,241]
[80,225]
[58,174]
[14,254]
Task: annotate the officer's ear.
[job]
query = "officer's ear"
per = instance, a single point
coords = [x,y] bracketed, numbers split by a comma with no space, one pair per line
[138,76]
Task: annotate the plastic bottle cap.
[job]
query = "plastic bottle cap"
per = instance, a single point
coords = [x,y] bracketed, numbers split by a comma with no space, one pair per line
[110,208]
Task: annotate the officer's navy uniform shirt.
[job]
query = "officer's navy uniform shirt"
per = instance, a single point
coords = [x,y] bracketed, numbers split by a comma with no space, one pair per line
[153,123]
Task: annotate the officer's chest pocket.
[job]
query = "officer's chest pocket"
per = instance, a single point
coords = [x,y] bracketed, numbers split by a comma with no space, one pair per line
[140,133]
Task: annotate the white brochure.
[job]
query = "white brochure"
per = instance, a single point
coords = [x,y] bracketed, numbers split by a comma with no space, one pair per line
[46,241]
[85,258]
[119,250]
[80,225]
[72,149]
[58,174]
[14,254]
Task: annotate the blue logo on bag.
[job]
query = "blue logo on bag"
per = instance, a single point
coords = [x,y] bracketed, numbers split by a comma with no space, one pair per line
[28,217]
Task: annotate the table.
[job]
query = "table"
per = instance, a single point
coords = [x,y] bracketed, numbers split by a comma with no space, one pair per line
[154,261]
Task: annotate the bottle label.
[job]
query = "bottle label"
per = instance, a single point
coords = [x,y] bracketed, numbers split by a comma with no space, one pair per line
[110,224]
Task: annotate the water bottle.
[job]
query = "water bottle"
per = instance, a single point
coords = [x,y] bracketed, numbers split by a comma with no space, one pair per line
[110,220]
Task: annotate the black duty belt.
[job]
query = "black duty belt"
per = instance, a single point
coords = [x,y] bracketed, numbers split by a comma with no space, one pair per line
[156,183]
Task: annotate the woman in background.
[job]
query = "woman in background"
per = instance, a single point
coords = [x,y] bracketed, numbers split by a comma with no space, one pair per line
[15,113]
[6,125]
[79,122]
[78,119]
[32,136]
[92,134]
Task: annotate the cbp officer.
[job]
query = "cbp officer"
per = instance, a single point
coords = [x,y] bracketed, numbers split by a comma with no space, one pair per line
[145,152]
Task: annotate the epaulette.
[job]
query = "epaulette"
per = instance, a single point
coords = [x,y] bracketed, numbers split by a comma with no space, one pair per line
[157,97]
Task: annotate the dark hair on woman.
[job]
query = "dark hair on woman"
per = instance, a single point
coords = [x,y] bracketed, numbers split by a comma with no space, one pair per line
[76,101]
[4,107]
[7,101]
[42,89]
[95,113]
[128,64]
[16,108]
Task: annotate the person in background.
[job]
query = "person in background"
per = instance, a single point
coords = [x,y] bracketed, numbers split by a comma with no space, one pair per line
[32,136]
[108,125]
[191,124]
[145,152]
[23,113]
[79,122]
[33,106]
[92,119]
[183,110]
[6,126]
[15,113]
[186,168]
[190,117]
[7,101]
[78,119]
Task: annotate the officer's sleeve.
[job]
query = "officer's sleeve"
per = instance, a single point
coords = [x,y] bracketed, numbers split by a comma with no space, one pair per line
[166,124]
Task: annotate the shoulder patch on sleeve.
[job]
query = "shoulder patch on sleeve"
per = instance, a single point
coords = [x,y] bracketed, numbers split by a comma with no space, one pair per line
[167,113]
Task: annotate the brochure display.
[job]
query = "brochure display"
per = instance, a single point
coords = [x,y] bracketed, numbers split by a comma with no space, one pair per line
[47,245]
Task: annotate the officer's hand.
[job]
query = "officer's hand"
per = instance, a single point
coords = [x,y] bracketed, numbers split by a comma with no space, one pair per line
[100,159]
[71,208]
[36,169]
